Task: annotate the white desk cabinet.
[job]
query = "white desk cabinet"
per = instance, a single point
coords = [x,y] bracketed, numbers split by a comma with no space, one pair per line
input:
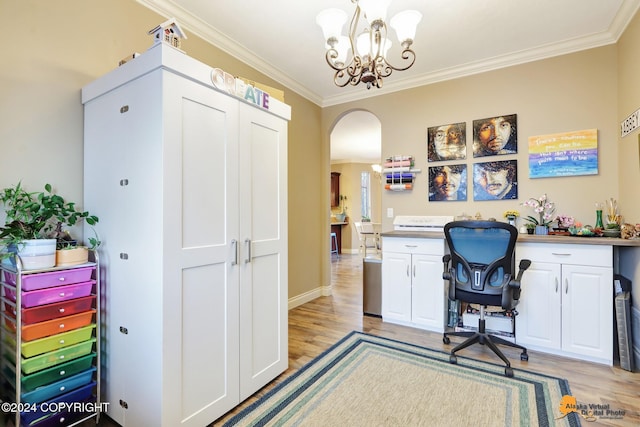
[566,305]
[412,286]
[190,185]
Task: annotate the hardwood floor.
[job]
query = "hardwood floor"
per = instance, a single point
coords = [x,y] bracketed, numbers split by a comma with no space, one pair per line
[315,326]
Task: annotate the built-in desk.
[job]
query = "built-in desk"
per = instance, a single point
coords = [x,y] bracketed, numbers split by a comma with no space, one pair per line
[566,305]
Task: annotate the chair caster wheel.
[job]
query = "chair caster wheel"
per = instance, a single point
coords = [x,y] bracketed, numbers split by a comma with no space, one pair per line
[453,359]
[508,372]
[446,340]
[524,356]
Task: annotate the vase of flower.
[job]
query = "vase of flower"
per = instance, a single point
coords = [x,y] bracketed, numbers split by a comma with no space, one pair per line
[544,209]
[541,229]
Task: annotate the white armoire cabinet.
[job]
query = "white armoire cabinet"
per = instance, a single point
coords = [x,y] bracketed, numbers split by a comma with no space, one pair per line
[190,184]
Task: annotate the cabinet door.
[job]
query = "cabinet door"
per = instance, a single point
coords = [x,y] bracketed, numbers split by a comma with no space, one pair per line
[539,321]
[262,174]
[200,327]
[587,311]
[396,287]
[427,292]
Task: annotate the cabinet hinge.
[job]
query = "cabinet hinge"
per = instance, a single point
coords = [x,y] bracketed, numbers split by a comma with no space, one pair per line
[124,182]
[124,404]
[124,330]
[124,255]
[124,109]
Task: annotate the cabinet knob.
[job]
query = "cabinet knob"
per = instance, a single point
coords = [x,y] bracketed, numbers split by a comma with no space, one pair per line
[124,109]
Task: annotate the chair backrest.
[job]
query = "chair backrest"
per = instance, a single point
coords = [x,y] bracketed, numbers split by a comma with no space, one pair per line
[482,259]
[367,228]
[358,226]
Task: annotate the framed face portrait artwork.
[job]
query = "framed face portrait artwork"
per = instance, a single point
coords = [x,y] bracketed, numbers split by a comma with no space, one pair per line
[447,142]
[495,180]
[448,183]
[495,136]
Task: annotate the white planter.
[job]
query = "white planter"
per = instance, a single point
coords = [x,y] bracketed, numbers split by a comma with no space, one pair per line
[35,254]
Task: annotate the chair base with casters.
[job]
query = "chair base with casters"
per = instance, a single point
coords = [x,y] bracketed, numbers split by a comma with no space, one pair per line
[480,269]
[484,338]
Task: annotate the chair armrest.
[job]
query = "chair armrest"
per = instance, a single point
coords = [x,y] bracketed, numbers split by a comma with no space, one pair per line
[446,275]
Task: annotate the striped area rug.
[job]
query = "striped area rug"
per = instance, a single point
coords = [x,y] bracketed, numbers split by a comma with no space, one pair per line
[365,380]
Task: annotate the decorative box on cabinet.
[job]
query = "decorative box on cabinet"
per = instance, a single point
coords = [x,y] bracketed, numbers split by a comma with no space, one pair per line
[193,182]
[50,350]
[413,292]
[566,305]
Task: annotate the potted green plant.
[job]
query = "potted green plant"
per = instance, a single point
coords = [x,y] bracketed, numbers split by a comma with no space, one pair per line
[34,224]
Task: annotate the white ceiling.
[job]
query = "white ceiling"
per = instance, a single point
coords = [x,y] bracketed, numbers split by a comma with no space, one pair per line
[455,37]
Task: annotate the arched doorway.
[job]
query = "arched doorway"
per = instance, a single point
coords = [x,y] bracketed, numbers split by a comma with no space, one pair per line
[355,146]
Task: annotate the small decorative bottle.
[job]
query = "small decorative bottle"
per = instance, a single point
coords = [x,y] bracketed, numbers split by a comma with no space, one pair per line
[599,223]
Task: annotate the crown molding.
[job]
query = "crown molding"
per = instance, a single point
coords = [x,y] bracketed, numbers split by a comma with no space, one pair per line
[198,27]
[205,31]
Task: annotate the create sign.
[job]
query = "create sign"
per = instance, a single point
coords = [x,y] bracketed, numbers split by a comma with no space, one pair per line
[239,88]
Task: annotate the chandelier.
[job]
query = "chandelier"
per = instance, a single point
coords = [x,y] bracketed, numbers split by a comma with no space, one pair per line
[369,45]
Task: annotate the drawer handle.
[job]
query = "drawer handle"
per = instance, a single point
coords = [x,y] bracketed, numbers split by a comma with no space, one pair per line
[61,326]
[61,294]
[61,279]
[63,372]
[61,341]
[61,356]
[559,254]
[410,246]
[62,388]
[61,310]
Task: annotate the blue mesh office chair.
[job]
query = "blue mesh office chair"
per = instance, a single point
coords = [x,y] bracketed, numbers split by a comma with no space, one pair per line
[480,271]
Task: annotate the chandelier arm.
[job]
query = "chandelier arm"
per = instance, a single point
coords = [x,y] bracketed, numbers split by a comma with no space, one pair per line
[407,54]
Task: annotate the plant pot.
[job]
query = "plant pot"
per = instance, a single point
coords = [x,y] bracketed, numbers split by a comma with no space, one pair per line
[34,254]
[541,230]
[340,217]
[530,230]
[72,256]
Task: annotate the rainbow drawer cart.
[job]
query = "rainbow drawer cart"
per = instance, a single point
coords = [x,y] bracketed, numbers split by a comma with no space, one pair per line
[50,345]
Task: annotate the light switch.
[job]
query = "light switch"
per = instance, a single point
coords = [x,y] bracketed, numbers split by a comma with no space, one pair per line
[389,212]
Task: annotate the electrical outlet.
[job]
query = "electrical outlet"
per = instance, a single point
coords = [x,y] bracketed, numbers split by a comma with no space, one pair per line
[389,212]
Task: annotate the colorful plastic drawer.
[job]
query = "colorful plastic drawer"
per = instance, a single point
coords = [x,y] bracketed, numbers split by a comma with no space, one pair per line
[51,311]
[59,387]
[49,375]
[78,395]
[32,282]
[55,342]
[50,295]
[59,419]
[53,358]
[52,327]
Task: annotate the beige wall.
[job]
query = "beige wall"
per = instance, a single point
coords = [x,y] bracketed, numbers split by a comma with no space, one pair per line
[567,93]
[56,48]
[44,70]
[629,146]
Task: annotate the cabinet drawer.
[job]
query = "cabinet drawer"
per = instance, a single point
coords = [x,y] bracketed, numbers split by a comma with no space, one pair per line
[594,255]
[413,245]
[32,282]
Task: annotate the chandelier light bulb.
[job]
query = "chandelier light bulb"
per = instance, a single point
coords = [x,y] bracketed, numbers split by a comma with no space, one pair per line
[405,24]
[331,21]
[374,10]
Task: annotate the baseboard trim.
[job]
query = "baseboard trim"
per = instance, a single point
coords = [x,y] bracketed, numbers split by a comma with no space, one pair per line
[322,291]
